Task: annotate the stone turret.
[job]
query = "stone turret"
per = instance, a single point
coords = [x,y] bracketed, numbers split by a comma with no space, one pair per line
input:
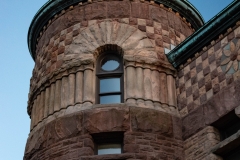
[78,107]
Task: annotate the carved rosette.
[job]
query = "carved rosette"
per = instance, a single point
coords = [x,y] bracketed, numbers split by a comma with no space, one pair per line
[230,61]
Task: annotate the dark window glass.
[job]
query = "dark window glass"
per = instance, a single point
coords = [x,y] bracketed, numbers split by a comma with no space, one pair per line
[228,125]
[108,99]
[110,85]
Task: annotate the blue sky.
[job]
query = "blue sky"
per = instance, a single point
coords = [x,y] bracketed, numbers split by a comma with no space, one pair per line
[16,67]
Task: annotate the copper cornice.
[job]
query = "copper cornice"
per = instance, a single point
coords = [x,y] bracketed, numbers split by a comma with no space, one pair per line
[53,7]
[219,24]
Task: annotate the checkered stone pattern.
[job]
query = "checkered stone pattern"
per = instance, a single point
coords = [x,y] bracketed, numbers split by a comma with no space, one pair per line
[203,77]
[50,57]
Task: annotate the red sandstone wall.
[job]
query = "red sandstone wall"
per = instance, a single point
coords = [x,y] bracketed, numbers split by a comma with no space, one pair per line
[148,134]
[56,57]
[207,91]
[62,92]
[162,26]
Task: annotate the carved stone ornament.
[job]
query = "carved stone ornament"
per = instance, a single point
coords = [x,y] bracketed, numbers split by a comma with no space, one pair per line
[230,61]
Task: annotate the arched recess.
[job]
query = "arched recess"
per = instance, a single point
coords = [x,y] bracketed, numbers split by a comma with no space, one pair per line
[132,41]
[148,81]
[109,74]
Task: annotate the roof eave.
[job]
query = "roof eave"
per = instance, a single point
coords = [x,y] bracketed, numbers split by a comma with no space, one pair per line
[202,37]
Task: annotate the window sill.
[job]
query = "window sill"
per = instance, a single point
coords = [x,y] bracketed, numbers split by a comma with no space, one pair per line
[227,145]
[122,156]
[109,105]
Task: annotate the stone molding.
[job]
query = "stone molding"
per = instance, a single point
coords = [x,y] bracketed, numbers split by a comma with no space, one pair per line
[71,68]
[33,36]
[227,145]
[81,54]
[211,43]
[82,123]
[51,56]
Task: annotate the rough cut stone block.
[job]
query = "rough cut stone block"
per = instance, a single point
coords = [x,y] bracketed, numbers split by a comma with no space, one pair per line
[177,127]
[221,103]
[158,15]
[73,17]
[140,10]
[96,11]
[147,120]
[106,120]
[193,122]
[118,9]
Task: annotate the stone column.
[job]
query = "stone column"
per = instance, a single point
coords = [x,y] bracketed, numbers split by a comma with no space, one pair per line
[33,115]
[57,99]
[130,85]
[163,88]
[79,87]
[155,88]
[71,84]
[41,108]
[37,109]
[87,87]
[139,86]
[64,92]
[46,105]
[51,99]
[147,88]
[171,91]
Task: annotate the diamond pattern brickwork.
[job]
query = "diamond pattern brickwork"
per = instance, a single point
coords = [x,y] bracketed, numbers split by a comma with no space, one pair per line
[204,76]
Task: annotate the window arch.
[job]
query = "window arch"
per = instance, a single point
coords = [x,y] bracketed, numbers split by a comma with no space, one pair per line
[109,78]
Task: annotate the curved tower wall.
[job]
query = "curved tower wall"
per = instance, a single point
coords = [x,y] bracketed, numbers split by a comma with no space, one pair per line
[62,99]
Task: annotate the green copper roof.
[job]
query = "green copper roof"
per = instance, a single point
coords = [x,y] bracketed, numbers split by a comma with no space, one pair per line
[52,7]
[202,37]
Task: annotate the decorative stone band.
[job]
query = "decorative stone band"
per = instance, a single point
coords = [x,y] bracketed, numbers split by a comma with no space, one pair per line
[154,88]
[134,45]
[68,91]
[71,68]
[70,131]
[150,87]
[79,42]
[100,10]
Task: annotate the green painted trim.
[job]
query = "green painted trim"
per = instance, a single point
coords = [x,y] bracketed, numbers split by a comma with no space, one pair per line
[202,37]
[52,7]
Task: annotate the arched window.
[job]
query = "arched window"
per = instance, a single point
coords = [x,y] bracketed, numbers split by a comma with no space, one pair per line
[109,78]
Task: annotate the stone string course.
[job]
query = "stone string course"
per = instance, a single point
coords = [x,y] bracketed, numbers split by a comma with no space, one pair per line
[135,11]
[71,41]
[70,136]
[52,44]
[62,93]
[77,89]
[203,77]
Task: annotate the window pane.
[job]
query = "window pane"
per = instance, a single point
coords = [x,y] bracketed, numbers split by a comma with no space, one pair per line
[110,99]
[109,149]
[109,65]
[110,85]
